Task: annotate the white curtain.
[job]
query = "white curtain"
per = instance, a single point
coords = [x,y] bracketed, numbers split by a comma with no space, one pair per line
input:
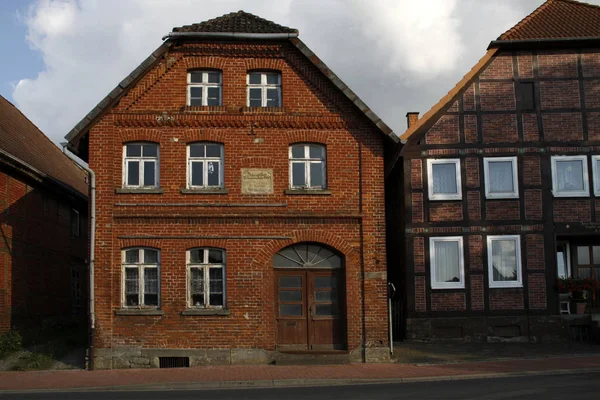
[446,262]
[501,176]
[444,178]
[504,260]
[569,175]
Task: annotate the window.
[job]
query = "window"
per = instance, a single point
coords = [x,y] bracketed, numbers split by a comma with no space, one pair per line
[447,264]
[75,224]
[526,96]
[563,260]
[206,278]
[140,278]
[264,89]
[307,166]
[140,165]
[205,165]
[204,88]
[596,173]
[570,176]
[444,179]
[504,261]
[501,178]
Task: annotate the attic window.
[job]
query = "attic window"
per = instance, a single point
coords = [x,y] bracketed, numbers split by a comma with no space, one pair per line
[526,96]
[204,88]
[264,89]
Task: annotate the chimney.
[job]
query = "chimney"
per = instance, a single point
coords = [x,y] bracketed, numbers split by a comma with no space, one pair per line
[411,118]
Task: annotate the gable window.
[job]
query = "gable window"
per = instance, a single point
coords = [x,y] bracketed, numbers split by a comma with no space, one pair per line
[504,261]
[206,278]
[140,165]
[526,96]
[264,89]
[307,166]
[570,176]
[444,179]
[447,263]
[75,223]
[596,173]
[205,165]
[204,88]
[501,177]
[140,277]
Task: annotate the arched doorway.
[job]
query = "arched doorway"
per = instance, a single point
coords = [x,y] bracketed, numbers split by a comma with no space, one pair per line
[310,298]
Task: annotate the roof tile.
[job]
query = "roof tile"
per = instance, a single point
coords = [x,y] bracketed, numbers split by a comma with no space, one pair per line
[557,19]
[237,22]
[22,139]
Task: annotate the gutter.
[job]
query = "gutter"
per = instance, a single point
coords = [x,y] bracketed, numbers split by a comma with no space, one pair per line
[86,167]
[545,42]
[229,35]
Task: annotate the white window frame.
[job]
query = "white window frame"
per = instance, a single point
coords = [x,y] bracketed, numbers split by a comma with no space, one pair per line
[504,284]
[140,159]
[596,175]
[204,85]
[205,161]
[501,195]
[205,267]
[444,196]
[75,229]
[307,161]
[263,85]
[586,186]
[461,262]
[567,246]
[141,266]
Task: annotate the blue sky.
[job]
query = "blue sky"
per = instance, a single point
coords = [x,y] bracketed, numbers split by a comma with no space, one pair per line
[20,60]
[62,57]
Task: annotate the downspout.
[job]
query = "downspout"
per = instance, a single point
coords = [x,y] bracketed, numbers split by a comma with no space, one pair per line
[87,168]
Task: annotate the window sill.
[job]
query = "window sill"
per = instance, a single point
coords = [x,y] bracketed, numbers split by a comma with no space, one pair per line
[205,311]
[315,192]
[139,311]
[204,191]
[157,190]
[567,195]
[445,198]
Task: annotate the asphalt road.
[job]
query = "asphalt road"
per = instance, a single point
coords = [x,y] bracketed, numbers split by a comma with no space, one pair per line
[559,387]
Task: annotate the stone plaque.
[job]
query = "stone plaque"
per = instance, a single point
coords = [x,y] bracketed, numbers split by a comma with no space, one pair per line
[257,181]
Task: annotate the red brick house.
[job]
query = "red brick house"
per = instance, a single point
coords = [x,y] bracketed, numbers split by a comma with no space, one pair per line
[43,251]
[499,184]
[240,205]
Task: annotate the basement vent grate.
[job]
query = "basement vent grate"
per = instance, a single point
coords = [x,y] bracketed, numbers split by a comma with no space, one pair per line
[174,362]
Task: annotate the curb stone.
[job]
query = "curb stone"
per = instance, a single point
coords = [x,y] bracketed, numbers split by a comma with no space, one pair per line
[282,383]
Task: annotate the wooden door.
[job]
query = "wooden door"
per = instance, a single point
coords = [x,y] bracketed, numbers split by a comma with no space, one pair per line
[326,324]
[309,312]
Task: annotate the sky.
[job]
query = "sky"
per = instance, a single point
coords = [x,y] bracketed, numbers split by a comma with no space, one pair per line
[61,57]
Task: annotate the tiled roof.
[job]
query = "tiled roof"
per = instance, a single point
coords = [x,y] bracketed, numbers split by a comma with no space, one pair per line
[558,19]
[20,138]
[237,22]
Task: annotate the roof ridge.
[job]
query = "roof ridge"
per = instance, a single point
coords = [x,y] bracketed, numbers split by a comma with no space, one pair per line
[526,19]
[579,3]
[225,18]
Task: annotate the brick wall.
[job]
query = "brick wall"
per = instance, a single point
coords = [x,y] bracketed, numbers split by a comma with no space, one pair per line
[37,252]
[250,228]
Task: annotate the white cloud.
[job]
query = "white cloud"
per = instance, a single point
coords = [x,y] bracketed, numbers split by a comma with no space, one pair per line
[398,55]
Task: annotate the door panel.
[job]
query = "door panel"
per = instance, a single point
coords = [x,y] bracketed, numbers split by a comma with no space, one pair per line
[326,324]
[309,310]
[291,310]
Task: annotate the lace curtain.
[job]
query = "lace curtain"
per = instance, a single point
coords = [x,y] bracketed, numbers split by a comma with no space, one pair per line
[446,262]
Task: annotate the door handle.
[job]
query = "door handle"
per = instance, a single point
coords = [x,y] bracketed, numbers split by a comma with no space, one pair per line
[310,311]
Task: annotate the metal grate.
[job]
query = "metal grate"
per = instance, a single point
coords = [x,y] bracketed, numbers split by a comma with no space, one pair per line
[174,362]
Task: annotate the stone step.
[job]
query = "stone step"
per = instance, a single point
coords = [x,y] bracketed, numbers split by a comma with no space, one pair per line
[306,358]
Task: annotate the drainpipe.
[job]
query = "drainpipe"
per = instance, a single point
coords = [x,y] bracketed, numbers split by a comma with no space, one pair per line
[87,168]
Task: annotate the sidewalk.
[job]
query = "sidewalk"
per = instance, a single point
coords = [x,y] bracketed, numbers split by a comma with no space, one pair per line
[269,376]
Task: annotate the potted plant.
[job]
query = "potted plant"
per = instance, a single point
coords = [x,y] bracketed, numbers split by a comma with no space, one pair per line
[578,290]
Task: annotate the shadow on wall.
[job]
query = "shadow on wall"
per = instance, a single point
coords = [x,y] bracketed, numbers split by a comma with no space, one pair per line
[43,273]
